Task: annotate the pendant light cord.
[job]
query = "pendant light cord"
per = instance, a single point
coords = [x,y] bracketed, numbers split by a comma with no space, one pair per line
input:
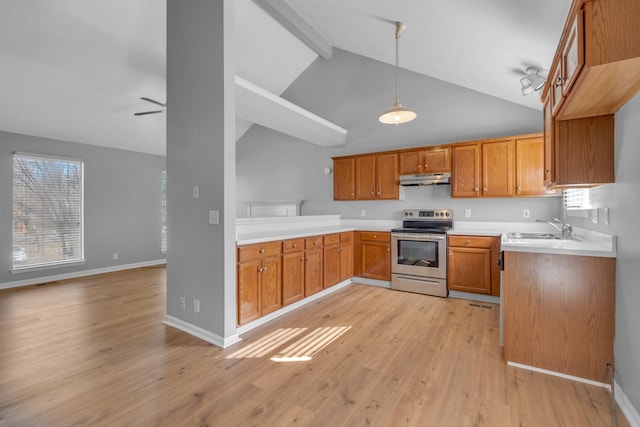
[397,67]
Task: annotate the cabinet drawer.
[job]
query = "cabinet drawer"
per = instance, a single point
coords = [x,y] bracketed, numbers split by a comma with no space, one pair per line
[346,236]
[375,236]
[258,250]
[313,242]
[330,239]
[292,245]
[471,241]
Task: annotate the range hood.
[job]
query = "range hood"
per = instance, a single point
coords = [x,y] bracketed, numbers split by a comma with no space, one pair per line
[426,179]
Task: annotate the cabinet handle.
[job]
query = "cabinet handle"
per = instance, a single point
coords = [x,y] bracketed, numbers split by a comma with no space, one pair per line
[295,246]
[518,188]
[265,268]
[261,251]
[468,242]
[547,171]
[378,193]
[485,189]
[426,166]
[372,193]
[475,189]
[419,166]
[450,253]
[260,269]
[559,81]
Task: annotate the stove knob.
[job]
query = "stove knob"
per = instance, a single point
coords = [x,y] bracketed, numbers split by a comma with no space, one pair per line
[437,213]
[447,213]
[410,213]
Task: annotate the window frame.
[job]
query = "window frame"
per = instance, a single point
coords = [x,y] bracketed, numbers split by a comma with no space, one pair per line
[45,265]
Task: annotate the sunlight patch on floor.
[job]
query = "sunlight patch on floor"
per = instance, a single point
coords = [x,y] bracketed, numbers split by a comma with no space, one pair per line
[306,347]
[267,343]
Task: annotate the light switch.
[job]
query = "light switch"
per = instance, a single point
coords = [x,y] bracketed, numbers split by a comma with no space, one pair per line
[214,217]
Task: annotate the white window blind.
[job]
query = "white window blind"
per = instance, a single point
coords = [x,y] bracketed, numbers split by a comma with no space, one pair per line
[576,198]
[47,211]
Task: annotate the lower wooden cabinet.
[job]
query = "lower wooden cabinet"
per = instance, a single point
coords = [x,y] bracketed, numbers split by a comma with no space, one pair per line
[473,264]
[259,280]
[313,265]
[292,271]
[346,255]
[338,258]
[373,255]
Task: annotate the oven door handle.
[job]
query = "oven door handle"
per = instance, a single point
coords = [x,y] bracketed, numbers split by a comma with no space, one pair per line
[418,237]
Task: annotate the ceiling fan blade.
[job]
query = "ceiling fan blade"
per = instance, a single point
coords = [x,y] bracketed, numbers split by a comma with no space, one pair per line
[153,101]
[148,112]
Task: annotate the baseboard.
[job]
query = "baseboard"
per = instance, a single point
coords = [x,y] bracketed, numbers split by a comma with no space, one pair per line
[75,274]
[198,332]
[284,310]
[372,282]
[559,374]
[632,415]
[475,297]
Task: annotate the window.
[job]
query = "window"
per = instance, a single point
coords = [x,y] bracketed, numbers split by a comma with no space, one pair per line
[164,212]
[47,211]
[576,198]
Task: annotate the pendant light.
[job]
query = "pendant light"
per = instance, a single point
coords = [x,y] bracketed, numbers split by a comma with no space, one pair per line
[398,113]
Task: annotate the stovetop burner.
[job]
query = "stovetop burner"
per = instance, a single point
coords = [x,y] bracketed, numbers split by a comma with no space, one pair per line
[419,230]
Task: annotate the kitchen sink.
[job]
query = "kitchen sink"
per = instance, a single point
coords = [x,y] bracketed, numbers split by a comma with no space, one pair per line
[544,236]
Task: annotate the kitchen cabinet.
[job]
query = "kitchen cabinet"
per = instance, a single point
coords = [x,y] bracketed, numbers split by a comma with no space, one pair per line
[549,142]
[331,254]
[597,62]
[373,255]
[465,170]
[259,276]
[430,160]
[313,265]
[584,151]
[498,165]
[559,313]
[344,178]
[292,270]
[530,170]
[473,264]
[346,255]
[377,177]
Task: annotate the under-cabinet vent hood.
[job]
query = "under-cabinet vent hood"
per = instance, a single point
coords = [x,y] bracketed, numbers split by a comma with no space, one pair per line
[426,179]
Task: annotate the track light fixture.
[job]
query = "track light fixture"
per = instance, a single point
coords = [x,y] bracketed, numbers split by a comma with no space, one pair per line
[533,81]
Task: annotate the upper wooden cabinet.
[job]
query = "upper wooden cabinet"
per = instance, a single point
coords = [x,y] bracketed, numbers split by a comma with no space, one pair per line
[498,165]
[344,182]
[366,177]
[597,63]
[437,159]
[465,170]
[530,173]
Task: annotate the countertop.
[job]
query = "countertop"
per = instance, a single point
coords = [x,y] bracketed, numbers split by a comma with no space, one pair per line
[587,243]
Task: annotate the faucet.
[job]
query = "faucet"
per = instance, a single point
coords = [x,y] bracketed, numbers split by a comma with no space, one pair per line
[562,227]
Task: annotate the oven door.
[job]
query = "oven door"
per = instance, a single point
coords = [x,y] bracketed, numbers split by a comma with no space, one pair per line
[417,254]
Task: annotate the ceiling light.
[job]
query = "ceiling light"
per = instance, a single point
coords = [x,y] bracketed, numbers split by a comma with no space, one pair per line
[533,81]
[397,113]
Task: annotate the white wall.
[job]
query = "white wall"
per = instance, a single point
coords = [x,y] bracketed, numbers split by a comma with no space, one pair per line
[122,204]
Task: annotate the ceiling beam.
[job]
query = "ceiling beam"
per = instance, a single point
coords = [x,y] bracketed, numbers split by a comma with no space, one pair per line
[297,25]
[260,106]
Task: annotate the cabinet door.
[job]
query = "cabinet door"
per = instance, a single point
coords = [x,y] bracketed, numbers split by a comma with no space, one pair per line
[387,176]
[529,168]
[498,166]
[549,145]
[346,261]
[469,270]
[331,265]
[292,277]
[465,171]
[344,179]
[437,160]
[312,271]
[410,162]
[270,289]
[249,291]
[376,260]
[366,177]
[573,53]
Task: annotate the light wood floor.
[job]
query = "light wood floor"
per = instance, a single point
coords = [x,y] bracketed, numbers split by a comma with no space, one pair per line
[93,351]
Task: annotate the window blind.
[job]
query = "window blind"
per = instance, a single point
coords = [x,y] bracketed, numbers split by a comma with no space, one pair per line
[576,198]
[47,211]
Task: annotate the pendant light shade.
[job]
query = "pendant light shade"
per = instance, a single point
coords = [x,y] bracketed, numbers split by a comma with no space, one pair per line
[398,113]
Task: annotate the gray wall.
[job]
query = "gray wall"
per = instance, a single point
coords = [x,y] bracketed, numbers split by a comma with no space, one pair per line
[623,201]
[122,203]
[352,91]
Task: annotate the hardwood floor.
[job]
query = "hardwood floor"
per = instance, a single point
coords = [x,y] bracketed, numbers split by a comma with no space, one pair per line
[93,351]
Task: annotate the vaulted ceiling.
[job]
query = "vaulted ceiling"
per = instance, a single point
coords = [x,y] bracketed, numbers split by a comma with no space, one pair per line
[75,70]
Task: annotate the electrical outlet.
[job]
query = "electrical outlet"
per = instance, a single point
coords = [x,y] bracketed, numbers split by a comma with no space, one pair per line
[196,192]
[362,212]
[594,216]
[606,216]
[467,213]
[526,213]
[183,303]
[115,256]
[196,306]
[214,217]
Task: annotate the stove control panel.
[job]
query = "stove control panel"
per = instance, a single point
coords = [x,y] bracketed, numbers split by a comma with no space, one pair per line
[427,214]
